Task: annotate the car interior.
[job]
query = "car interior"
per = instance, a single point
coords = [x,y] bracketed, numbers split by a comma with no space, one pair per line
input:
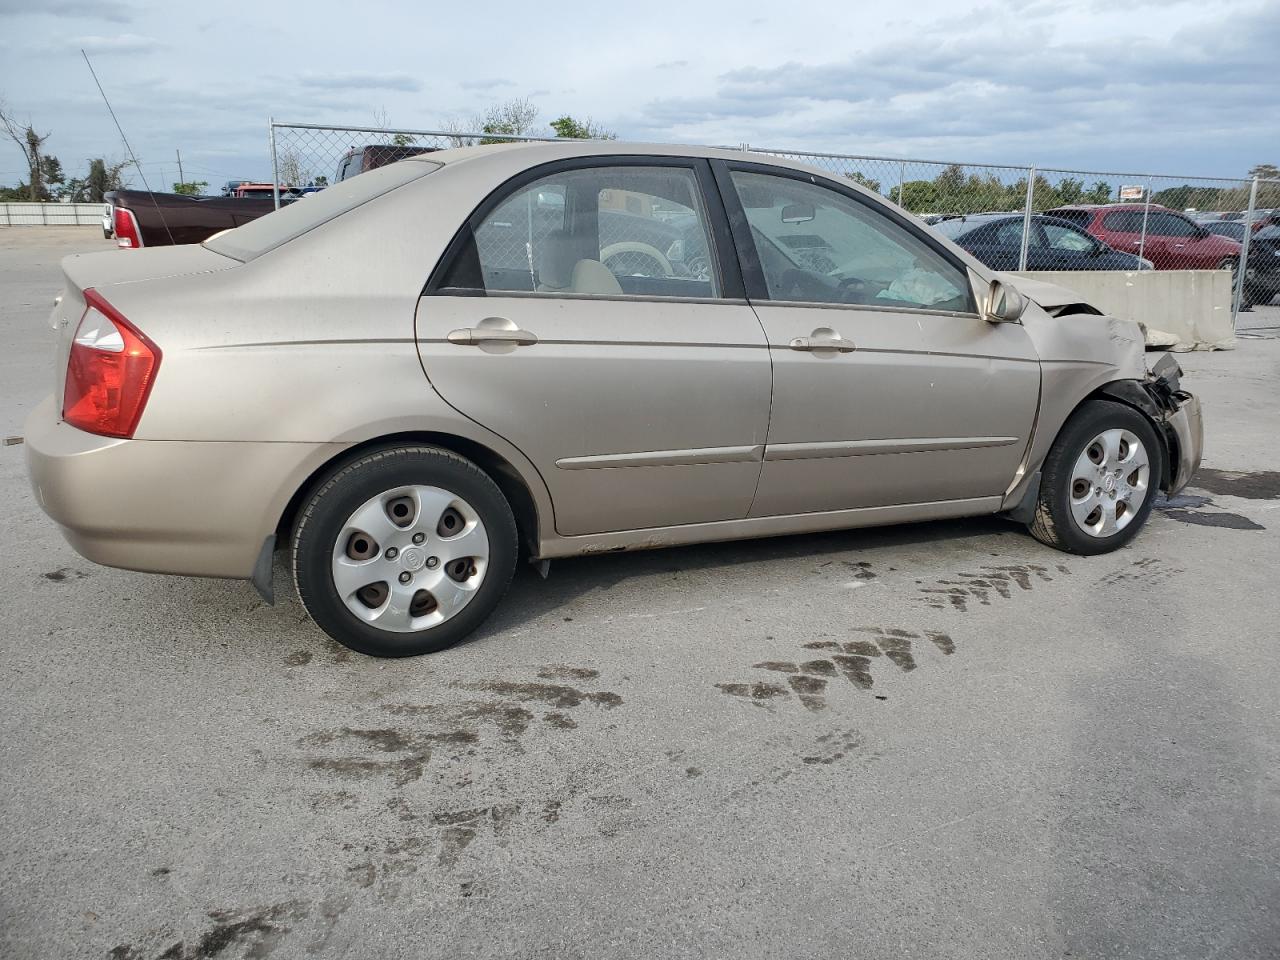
[606,231]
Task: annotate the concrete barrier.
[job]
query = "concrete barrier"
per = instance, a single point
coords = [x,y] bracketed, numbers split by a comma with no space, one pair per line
[1180,309]
[50,214]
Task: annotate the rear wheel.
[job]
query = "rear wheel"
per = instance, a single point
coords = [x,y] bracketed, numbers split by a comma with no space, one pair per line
[1099,480]
[1232,264]
[404,551]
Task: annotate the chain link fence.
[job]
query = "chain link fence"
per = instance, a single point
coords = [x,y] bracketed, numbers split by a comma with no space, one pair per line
[1010,217]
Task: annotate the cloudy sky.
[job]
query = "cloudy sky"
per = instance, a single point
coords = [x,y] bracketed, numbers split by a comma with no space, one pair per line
[1176,86]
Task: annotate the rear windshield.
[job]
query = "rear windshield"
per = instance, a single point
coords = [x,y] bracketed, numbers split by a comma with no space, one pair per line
[280,226]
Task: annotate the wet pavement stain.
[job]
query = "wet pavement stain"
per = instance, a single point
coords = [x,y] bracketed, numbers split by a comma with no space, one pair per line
[777,665]
[860,569]
[981,587]
[1226,520]
[258,932]
[299,658]
[810,690]
[851,660]
[434,743]
[1251,485]
[553,694]
[758,693]
[64,573]
[561,672]
[832,747]
[1190,508]
[1148,571]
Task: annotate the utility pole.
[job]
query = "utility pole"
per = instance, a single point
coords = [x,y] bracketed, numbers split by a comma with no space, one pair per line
[181,178]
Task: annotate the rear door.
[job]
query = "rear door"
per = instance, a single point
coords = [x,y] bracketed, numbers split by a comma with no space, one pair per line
[1187,246]
[592,314]
[1123,230]
[889,388]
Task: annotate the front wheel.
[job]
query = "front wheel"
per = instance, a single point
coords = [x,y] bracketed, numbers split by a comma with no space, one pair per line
[404,551]
[1099,480]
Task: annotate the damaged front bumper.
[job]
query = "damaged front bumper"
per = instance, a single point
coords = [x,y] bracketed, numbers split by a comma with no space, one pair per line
[1182,423]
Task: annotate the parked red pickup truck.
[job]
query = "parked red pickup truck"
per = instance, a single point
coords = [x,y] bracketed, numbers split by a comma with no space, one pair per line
[142,219]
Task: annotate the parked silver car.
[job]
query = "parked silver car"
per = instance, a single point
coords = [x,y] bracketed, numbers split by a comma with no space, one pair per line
[575,348]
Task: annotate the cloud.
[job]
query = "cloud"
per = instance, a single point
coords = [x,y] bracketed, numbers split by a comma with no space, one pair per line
[1026,95]
[119,44]
[672,64]
[112,11]
[362,81]
[486,84]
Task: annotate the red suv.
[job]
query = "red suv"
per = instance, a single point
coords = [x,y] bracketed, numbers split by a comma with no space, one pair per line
[1173,242]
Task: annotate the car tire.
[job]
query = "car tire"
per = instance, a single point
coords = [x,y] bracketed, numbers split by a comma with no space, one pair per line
[410,521]
[1115,450]
[1232,264]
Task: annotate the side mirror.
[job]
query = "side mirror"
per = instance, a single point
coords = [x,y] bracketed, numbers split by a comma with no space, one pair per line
[798,213]
[1004,303]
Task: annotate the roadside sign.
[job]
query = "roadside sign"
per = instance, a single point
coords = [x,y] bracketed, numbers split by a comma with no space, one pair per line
[1132,193]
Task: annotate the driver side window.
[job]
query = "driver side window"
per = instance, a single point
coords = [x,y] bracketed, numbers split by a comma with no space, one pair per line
[816,245]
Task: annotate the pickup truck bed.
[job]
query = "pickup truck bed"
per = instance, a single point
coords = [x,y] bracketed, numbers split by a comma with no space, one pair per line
[188,219]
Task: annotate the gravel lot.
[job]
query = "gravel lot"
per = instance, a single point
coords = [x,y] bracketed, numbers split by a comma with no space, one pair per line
[1018,753]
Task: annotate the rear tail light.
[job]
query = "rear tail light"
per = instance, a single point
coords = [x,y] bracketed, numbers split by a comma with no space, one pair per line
[126,228]
[110,371]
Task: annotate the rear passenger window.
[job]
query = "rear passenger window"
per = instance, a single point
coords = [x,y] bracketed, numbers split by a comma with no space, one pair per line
[597,231]
[1123,221]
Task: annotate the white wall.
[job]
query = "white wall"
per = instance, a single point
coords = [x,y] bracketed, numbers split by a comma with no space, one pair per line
[50,214]
[1193,307]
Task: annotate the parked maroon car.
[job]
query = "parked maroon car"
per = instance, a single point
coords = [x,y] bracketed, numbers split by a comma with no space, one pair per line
[1173,241]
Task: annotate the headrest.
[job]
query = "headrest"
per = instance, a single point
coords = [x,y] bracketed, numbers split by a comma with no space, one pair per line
[592,276]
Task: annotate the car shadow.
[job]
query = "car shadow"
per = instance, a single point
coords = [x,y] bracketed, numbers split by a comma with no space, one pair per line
[573,577]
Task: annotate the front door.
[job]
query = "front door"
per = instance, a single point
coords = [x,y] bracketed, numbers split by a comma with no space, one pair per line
[888,387]
[589,317]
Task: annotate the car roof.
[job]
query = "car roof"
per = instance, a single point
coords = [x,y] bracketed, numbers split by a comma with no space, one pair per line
[538,152]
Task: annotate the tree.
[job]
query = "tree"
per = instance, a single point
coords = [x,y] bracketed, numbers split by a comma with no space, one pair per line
[383,122]
[30,143]
[511,119]
[864,181]
[290,170]
[190,188]
[94,185]
[1100,192]
[1265,171]
[568,128]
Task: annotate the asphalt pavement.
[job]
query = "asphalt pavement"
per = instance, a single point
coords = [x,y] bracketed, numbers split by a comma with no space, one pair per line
[929,741]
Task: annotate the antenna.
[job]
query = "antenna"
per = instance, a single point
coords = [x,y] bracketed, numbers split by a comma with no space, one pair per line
[132,155]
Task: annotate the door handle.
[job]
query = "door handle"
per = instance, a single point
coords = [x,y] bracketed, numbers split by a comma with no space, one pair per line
[472,336]
[838,344]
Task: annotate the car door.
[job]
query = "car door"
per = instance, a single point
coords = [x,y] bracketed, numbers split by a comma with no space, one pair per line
[888,387]
[1189,247]
[1124,230]
[637,384]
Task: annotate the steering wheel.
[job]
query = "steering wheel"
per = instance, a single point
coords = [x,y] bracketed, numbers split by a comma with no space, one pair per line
[632,250]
